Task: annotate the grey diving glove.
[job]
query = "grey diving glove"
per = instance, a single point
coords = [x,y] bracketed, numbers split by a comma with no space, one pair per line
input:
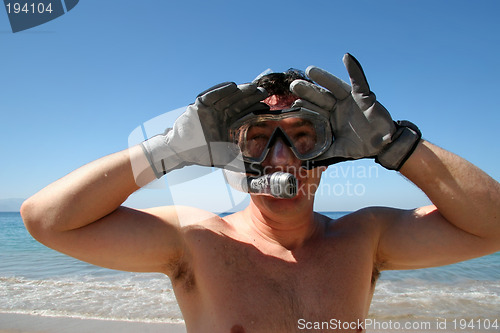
[200,135]
[361,126]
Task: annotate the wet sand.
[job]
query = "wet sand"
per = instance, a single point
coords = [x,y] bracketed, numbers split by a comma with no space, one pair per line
[24,323]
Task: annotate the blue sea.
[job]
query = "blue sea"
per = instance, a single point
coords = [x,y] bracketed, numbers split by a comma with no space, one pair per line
[37,280]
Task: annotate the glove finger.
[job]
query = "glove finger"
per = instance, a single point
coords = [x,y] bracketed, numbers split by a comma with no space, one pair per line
[234,116]
[313,93]
[337,87]
[311,106]
[217,92]
[356,74]
[243,102]
[254,108]
[243,92]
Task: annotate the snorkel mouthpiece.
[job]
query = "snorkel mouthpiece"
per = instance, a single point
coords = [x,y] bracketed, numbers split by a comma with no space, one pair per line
[281,185]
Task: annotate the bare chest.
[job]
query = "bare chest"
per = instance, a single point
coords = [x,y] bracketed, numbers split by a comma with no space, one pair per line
[234,283]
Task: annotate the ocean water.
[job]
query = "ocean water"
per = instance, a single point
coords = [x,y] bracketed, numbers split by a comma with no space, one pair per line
[37,280]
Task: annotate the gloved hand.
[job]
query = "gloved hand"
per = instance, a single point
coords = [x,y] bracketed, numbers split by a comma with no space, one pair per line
[361,126]
[200,135]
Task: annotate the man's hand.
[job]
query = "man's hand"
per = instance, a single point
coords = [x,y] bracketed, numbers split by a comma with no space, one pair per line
[362,126]
[200,135]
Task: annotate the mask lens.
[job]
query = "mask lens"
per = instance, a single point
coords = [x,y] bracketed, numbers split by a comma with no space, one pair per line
[307,133]
[257,138]
[301,133]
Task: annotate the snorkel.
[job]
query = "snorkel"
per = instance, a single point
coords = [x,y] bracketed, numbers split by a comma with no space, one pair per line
[281,185]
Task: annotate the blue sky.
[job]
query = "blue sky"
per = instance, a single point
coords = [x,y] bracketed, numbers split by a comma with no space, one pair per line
[72,90]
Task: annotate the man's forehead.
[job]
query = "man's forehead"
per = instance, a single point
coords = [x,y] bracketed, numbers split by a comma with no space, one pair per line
[279,102]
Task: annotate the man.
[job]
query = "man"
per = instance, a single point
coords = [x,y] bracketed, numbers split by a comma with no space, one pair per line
[275,265]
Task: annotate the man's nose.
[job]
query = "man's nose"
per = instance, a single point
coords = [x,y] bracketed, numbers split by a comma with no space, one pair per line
[281,154]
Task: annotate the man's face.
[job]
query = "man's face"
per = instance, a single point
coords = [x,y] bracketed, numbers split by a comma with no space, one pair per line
[281,158]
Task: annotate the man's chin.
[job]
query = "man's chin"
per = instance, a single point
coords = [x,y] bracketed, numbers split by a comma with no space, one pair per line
[280,204]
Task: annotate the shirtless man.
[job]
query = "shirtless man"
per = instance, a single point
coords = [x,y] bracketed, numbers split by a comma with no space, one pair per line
[268,267]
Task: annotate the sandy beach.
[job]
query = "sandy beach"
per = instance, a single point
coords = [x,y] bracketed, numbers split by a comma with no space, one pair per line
[23,323]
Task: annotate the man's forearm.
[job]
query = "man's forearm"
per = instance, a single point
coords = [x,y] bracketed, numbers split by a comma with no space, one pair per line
[465,195]
[90,192]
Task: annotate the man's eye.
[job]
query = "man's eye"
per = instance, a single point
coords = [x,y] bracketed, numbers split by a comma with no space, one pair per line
[259,137]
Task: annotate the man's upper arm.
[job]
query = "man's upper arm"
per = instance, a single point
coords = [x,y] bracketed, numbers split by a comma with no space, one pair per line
[127,239]
[411,239]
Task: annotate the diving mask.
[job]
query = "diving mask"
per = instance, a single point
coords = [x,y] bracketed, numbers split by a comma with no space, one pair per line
[306,132]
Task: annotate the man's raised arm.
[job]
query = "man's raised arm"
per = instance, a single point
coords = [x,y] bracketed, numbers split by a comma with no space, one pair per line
[80,215]
[462,224]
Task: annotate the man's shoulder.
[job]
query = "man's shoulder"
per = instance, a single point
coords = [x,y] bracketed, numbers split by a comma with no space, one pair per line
[185,216]
[366,218]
